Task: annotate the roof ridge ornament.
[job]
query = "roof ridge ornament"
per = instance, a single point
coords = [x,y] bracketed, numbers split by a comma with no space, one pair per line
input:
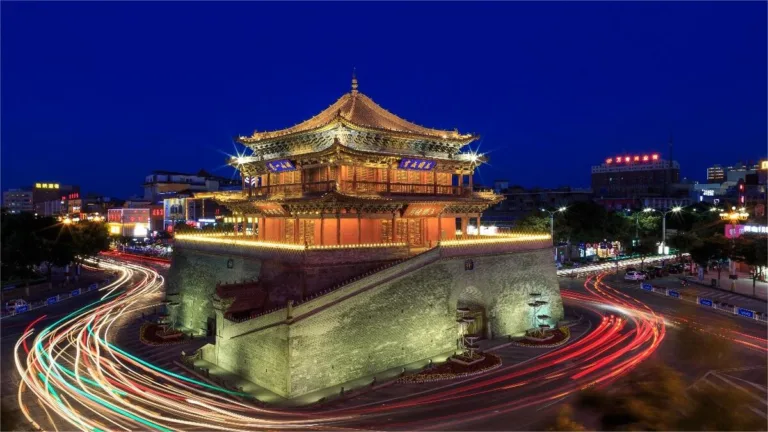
[354,82]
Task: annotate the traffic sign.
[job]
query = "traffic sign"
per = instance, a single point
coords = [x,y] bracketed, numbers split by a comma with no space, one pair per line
[746,313]
[673,293]
[646,286]
[52,300]
[75,292]
[705,302]
[21,309]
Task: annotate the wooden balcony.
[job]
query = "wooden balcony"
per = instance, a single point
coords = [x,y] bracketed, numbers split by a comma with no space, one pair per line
[351,187]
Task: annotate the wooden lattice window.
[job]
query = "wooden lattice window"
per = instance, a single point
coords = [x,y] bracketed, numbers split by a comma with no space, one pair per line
[386,231]
[365,178]
[414,231]
[444,178]
[288,232]
[414,177]
[307,231]
[401,176]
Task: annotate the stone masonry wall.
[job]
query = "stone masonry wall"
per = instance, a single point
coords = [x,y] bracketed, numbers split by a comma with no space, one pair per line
[413,317]
[397,323]
[193,276]
[259,357]
[396,316]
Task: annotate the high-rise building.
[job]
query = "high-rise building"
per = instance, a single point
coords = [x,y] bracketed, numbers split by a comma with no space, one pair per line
[715,174]
[634,176]
[18,200]
[166,184]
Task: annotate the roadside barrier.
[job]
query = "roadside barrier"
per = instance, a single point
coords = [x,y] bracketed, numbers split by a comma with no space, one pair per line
[706,302]
[52,300]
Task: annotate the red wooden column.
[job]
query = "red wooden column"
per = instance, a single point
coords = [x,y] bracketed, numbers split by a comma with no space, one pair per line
[390,172]
[461,184]
[434,175]
[338,228]
[359,228]
[464,221]
[471,182]
[296,229]
[322,229]
[439,227]
[394,227]
[268,176]
[478,224]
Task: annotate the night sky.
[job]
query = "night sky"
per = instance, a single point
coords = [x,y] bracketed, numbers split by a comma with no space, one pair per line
[101,94]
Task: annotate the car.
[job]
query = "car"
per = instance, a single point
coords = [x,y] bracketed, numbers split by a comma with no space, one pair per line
[12,305]
[634,275]
[629,269]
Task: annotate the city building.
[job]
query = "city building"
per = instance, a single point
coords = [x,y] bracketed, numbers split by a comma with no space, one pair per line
[18,200]
[196,212]
[44,191]
[740,171]
[500,185]
[634,176]
[715,174]
[166,184]
[57,207]
[129,222]
[519,202]
[359,257]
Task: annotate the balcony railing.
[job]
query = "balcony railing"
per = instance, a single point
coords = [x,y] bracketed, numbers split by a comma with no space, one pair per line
[298,189]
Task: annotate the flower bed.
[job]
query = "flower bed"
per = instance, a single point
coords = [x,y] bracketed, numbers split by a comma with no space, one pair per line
[556,338]
[152,334]
[453,370]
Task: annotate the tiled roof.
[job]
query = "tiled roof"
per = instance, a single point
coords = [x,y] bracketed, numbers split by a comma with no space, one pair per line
[360,110]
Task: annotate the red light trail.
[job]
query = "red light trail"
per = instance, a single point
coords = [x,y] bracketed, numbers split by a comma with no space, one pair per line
[75,376]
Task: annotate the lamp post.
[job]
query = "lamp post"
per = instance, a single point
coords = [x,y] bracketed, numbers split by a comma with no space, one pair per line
[552,220]
[637,223]
[664,224]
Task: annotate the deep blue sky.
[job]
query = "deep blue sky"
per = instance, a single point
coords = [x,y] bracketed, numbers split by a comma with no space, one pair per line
[101,94]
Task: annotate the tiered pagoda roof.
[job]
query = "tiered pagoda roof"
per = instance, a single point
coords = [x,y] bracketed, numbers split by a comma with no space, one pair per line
[356,122]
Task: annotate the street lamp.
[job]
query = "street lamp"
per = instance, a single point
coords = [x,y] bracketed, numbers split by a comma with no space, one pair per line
[664,214]
[552,220]
[637,222]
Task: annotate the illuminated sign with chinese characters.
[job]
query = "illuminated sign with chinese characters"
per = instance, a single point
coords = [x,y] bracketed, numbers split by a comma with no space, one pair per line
[627,159]
[764,165]
[416,164]
[280,166]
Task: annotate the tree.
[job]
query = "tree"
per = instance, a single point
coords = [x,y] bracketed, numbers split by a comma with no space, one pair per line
[683,242]
[564,421]
[652,397]
[90,238]
[644,247]
[714,248]
[655,397]
[752,251]
[536,221]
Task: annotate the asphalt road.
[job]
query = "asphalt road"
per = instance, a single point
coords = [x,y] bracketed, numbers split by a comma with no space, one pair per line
[619,331]
[747,372]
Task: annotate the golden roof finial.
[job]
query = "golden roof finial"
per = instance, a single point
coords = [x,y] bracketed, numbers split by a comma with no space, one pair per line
[354,81]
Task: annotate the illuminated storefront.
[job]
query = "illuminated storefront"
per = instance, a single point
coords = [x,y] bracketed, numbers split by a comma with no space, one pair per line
[129,222]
